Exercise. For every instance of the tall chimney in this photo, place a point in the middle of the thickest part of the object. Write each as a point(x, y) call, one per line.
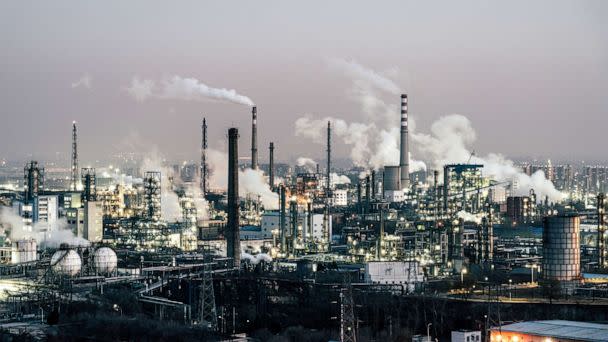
point(232, 228)
point(282, 214)
point(404, 149)
point(328, 157)
point(75, 178)
point(271, 167)
point(254, 138)
point(204, 169)
point(374, 189)
point(367, 193)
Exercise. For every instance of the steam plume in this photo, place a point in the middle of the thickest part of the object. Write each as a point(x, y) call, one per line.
point(185, 89)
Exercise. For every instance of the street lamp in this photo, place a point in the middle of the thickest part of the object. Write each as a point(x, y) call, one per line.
point(510, 282)
point(117, 308)
point(428, 332)
point(462, 273)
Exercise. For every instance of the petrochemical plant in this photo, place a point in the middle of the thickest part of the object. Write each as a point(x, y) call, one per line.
point(357, 253)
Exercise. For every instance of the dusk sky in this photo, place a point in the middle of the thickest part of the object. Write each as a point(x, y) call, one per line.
point(531, 76)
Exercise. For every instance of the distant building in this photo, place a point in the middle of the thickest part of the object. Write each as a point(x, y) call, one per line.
point(406, 273)
point(93, 221)
point(466, 336)
point(75, 219)
point(340, 198)
point(46, 211)
point(554, 330)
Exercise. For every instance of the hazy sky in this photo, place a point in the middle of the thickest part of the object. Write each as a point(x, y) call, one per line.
point(532, 76)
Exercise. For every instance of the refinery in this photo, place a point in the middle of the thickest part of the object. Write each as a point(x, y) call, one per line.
point(387, 224)
point(317, 238)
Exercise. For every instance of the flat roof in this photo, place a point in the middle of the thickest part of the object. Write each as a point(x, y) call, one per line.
point(580, 331)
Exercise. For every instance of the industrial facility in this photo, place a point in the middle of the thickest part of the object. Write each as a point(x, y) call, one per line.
point(344, 240)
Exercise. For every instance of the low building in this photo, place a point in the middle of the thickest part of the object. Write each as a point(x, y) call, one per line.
point(466, 336)
point(554, 330)
point(406, 273)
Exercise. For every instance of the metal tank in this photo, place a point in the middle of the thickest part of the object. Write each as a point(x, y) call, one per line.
point(561, 247)
point(105, 260)
point(24, 251)
point(391, 179)
point(66, 262)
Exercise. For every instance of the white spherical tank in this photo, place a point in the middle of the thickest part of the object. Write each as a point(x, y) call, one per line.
point(105, 260)
point(66, 262)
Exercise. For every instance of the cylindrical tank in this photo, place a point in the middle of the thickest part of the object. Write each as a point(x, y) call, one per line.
point(66, 262)
point(105, 260)
point(24, 251)
point(561, 247)
point(391, 178)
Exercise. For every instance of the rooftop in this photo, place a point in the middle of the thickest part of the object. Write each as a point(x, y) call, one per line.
point(580, 331)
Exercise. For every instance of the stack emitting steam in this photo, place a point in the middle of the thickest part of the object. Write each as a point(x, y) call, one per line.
point(233, 249)
point(254, 138)
point(404, 148)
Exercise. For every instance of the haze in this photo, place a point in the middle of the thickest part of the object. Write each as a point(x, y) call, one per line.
point(531, 76)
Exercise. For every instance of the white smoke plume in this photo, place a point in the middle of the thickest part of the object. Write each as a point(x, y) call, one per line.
point(140, 90)
point(250, 181)
point(336, 179)
point(307, 163)
point(254, 182)
point(449, 143)
point(46, 235)
point(171, 210)
point(375, 143)
point(468, 217)
point(357, 71)
point(185, 89)
point(256, 259)
point(84, 82)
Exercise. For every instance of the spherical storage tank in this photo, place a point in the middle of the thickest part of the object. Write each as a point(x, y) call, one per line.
point(561, 248)
point(66, 262)
point(105, 260)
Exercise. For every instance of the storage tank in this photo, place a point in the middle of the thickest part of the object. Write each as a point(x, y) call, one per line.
point(391, 179)
point(66, 262)
point(24, 251)
point(561, 247)
point(105, 260)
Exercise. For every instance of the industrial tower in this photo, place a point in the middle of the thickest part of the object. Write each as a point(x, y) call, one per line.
point(347, 313)
point(601, 229)
point(204, 168)
point(271, 167)
point(74, 180)
point(232, 228)
point(404, 167)
point(254, 138)
point(207, 310)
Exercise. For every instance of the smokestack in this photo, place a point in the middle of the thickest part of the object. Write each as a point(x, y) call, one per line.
point(254, 138)
point(367, 193)
point(282, 214)
point(232, 228)
point(310, 230)
point(374, 184)
point(328, 157)
point(404, 149)
point(75, 178)
point(204, 169)
point(271, 167)
point(293, 209)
